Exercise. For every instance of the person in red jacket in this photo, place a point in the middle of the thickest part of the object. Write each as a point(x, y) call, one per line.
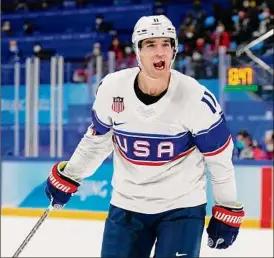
point(116, 47)
point(220, 37)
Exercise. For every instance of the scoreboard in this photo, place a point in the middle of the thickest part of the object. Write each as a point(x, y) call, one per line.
point(240, 79)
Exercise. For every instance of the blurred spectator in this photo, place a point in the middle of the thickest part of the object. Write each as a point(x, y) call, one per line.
point(200, 44)
point(247, 148)
point(198, 64)
point(42, 53)
point(96, 51)
point(45, 4)
point(258, 152)
point(28, 28)
point(188, 21)
point(21, 5)
point(15, 54)
point(220, 37)
point(79, 75)
point(129, 59)
point(269, 143)
point(88, 67)
point(101, 25)
point(91, 60)
point(37, 49)
point(188, 37)
point(117, 49)
point(7, 29)
point(265, 20)
point(243, 29)
point(240, 144)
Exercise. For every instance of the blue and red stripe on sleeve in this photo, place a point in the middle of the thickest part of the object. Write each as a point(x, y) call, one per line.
point(97, 126)
point(213, 140)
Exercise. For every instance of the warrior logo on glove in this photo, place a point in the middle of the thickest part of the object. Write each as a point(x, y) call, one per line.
point(60, 183)
point(59, 187)
point(224, 226)
point(228, 217)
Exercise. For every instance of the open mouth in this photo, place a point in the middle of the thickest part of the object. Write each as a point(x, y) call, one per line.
point(159, 65)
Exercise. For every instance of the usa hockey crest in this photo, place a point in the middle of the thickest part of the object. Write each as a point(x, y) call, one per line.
point(118, 104)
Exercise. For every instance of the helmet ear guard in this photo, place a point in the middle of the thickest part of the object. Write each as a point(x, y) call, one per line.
point(174, 43)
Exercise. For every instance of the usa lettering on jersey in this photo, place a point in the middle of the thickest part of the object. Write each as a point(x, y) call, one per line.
point(149, 149)
point(142, 148)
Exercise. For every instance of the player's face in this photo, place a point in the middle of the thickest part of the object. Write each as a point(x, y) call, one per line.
point(156, 55)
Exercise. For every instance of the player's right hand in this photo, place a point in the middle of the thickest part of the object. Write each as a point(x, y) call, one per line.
point(60, 188)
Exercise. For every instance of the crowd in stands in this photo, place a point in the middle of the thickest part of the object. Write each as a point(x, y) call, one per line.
point(248, 148)
point(200, 33)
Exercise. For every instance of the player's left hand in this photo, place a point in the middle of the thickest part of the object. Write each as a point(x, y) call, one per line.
point(224, 225)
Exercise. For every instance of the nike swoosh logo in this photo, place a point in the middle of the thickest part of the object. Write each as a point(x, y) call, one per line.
point(178, 255)
point(117, 124)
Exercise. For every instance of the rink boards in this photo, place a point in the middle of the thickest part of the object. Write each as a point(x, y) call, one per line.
point(23, 183)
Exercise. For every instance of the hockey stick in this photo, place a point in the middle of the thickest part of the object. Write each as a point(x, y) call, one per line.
point(35, 228)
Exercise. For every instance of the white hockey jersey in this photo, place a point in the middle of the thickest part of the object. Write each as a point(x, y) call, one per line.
point(160, 150)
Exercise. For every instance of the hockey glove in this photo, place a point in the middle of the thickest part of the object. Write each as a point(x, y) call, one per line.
point(60, 188)
point(223, 226)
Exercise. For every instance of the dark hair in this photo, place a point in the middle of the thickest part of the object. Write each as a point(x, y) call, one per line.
point(244, 133)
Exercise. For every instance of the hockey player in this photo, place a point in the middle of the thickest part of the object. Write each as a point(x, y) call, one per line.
point(163, 127)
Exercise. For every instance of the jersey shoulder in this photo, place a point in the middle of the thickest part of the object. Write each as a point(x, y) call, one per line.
point(193, 93)
point(190, 88)
point(117, 80)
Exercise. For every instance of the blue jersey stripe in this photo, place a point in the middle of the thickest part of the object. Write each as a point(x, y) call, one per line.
point(210, 128)
point(97, 125)
point(213, 138)
point(213, 153)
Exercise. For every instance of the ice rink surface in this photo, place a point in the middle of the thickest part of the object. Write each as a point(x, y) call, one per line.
point(78, 238)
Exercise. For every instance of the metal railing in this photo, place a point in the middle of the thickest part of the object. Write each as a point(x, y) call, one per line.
point(32, 85)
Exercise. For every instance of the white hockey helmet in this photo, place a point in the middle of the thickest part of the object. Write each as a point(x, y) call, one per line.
point(153, 27)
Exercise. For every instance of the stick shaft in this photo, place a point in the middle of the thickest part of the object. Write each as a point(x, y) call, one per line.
point(33, 231)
